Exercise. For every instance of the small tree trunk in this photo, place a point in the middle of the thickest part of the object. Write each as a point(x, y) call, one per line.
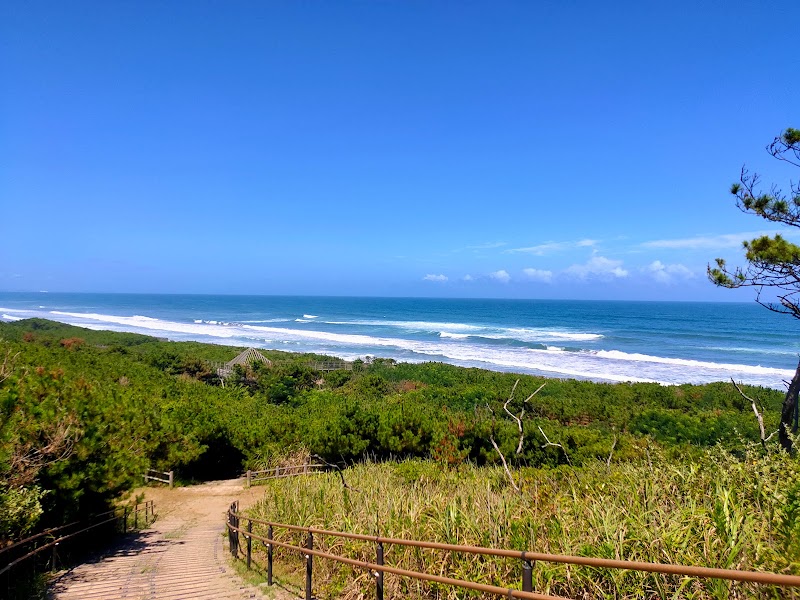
point(788, 412)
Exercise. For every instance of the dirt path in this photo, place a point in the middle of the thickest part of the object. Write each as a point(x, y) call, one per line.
point(182, 555)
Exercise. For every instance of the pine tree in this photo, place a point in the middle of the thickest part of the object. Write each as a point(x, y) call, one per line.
point(773, 263)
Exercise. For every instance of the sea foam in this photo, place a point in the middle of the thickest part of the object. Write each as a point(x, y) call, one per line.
point(459, 343)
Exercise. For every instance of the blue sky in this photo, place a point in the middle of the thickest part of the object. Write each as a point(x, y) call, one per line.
point(489, 149)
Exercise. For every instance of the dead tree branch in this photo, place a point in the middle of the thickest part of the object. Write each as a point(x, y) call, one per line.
point(518, 419)
point(549, 443)
point(611, 453)
point(505, 465)
point(759, 416)
point(338, 470)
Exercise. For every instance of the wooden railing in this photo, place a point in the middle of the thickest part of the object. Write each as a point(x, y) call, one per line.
point(162, 476)
point(528, 558)
point(283, 471)
point(44, 551)
point(331, 365)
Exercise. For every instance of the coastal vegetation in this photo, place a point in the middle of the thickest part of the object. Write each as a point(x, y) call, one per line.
point(84, 413)
point(716, 509)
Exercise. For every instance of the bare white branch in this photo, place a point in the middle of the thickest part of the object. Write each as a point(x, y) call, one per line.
point(549, 443)
point(518, 419)
point(505, 465)
point(759, 416)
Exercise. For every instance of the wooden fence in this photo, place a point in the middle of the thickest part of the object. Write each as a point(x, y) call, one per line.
point(286, 471)
point(528, 559)
point(45, 551)
point(224, 369)
point(162, 476)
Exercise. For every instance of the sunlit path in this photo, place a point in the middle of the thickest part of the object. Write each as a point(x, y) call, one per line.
point(180, 556)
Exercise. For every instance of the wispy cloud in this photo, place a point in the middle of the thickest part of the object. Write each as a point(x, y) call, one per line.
point(553, 247)
point(487, 246)
point(538, 275)
point(502, 276)
point(598, 267)
point(668, 273)
point(436, 278)
point(712, 242)
point(468, 277)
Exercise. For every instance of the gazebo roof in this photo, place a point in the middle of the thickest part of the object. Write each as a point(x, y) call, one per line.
point(245, 358)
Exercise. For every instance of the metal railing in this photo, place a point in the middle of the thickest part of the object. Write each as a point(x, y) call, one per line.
point(378, 568)
point(50, 543)
point(283, 471)
point(162, 476)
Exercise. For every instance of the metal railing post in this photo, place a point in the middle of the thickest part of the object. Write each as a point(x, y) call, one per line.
point(249, 542)
point(309, 565)
point(269, 556)
point(231, 539)
point(527, 576)
point(379, 574)
point(236, 524)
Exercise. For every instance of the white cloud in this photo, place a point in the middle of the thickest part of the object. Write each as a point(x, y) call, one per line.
point(668, 273)
point(712, 242)
point(598, 267)
point(538, 275)
point(502, 276)
point(551, 247)
point(437, 278)
point(487, 246)
point(468, 277)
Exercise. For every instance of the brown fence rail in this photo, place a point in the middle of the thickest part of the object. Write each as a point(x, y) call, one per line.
point(44, 551)
point(528, 560)
point(279, 472)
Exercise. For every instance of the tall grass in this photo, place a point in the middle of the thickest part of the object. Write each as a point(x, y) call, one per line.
point(714, 510)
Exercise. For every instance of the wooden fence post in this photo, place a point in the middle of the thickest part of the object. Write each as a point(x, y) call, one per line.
point(309, 565)
point(527, 576)
point(379, 574)
point(248, 477)
point(171, 480)
point(249, 542)
point(269, 556)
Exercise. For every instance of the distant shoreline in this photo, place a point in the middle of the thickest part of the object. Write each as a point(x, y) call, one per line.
point(603, 341)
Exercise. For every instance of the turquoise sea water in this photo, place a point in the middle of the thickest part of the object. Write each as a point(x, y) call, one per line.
point(668, 342)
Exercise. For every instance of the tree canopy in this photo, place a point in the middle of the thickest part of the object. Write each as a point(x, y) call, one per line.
point(773, 263)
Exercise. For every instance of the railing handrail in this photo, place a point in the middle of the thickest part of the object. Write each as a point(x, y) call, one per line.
point(288, 468)
point(510, 592)
point(45, 532)
point(165, 476)
point(284, 471)
point(58, 540)
point(526, 555)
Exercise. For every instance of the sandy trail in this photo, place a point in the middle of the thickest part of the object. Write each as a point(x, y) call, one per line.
point(182, 555)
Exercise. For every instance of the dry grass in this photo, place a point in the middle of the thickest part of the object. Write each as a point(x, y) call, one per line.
point(719, 511)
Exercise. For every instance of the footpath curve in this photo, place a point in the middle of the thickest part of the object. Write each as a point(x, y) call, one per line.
point(180, 556)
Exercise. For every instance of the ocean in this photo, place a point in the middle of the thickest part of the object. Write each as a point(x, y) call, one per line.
point(665, 342)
